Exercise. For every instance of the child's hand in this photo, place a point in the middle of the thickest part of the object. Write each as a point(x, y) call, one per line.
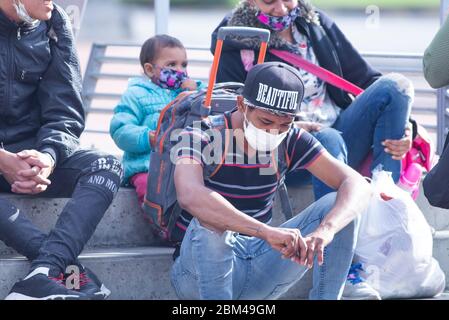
point(189, 84)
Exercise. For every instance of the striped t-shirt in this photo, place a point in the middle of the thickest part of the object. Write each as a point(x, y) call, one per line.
point(248, 184)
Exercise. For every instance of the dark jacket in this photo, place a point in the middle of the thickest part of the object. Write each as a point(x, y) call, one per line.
point(436, 182)
point(40, 85)
point(334, 52)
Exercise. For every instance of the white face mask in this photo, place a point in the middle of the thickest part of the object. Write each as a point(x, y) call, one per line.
point(261, 140)
point(23, 13)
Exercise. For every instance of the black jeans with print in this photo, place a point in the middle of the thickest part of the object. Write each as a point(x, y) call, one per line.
point(90, 179)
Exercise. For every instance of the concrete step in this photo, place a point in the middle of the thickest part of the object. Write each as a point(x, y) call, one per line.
point(130, 273)
point(122, 226)
point(134, 274)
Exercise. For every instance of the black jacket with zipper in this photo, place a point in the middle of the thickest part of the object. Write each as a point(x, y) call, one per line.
point(40, 85)
point(333, 50)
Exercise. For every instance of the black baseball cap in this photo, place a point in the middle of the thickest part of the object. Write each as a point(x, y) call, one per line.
point(275, 87)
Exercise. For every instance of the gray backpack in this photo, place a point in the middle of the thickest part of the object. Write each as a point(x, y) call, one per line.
point(160, 203)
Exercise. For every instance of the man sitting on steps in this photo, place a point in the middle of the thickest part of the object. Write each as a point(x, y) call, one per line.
point(229, 251)
point(42, 118)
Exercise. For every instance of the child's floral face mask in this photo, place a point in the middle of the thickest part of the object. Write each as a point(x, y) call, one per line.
point(279, 23)
point(170, 78)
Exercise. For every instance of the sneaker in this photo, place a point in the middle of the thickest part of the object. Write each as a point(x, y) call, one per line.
point(43, 284)
point(90, 285)
point(356, 288)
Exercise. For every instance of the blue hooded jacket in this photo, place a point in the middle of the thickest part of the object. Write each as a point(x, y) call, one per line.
point(134, 117)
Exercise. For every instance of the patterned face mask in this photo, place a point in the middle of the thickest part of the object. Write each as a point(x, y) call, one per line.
point(170, 78)
point(278, 23)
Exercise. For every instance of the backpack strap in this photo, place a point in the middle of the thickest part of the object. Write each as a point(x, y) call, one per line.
point(285, 201)
point(155, 137)
point(283, 162)
point(225, 144)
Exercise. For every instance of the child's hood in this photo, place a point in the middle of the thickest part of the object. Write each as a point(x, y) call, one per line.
point(142, 82)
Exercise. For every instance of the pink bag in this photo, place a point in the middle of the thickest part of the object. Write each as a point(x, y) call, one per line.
point(420, 157)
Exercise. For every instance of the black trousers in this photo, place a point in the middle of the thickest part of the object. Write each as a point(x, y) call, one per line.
point(90, 179)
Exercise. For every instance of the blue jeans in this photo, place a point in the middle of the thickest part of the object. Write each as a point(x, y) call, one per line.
point(380, 113)
point(333, 142)
point(231, 266)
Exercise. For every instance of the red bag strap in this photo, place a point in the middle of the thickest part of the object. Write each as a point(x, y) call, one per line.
point(318, 71)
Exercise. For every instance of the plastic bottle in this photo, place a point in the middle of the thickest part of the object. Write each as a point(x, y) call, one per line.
point(410, 179)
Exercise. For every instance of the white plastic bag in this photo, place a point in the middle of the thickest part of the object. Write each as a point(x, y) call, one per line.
point(395, 244)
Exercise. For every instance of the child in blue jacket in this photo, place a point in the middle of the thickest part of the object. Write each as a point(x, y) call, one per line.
point(164, 61)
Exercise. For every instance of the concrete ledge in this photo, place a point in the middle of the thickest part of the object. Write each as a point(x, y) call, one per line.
point(122, 226)
point(134, 273)
point(130, 273)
